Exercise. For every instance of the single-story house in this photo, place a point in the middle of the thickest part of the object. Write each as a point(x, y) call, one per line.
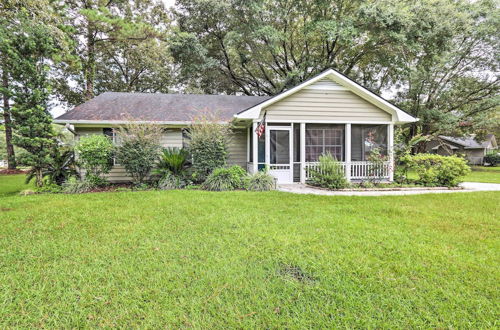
point(327, 113)
point(468, 146)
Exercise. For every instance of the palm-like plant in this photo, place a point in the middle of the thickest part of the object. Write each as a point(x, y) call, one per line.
point(172, 160)
point(62, 166)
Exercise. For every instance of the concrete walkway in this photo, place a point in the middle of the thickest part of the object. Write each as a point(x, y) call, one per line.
point(467, 187)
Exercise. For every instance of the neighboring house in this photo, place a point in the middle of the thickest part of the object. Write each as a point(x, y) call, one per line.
point(328, 113)
point(468, 146)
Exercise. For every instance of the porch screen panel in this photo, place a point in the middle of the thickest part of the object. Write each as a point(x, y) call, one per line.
point(279, 147)
point(365, 138)
point(322, 139)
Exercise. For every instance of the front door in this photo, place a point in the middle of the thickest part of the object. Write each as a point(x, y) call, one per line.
point(280, 153)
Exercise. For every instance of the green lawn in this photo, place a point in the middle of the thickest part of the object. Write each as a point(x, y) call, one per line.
point(13, 184)
point(247, 260)
point(484, 174)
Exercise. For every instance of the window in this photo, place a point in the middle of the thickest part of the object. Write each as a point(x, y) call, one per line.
point(322, 139)
point(111, 133)
point(365, 138)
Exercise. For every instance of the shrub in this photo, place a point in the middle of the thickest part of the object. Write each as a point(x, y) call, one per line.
point(492, 158)
point(222, 179)
point(138, 150)
point(329, 173)
point(49, 188)
point(172, 160)
point(436, 170)
point(261, 181)
point(74, 186)
point(95, 154)
point(62, 166)
point(171, 181)
point(208, 145)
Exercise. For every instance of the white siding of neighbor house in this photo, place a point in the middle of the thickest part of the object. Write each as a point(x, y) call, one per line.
point(237, 148)
point(325, 100)
point(171, 138)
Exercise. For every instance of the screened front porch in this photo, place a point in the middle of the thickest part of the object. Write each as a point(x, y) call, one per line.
point(290, 150)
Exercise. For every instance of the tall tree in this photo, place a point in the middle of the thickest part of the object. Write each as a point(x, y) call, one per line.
point(11, 156)
point(118, 44)
point(436, 58)
point(30, 44)
point(450, 78)
point(264, 47)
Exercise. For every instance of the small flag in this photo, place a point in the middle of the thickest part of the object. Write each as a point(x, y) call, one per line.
point(261, 127)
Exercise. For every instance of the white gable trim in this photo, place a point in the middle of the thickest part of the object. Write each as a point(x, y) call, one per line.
point(398, 115)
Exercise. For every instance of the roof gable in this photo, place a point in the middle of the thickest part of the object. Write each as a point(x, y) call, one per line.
point(339, 81)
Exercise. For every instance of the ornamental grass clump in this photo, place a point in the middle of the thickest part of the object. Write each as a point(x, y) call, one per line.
point(224, 179)
point(261, 181)
point(328, 174)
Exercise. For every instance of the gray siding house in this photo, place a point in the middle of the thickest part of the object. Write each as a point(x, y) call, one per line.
point(472, 148)
point(328, 113)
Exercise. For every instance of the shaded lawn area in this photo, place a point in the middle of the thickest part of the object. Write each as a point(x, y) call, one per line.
point(13, 184)
point(484, 174)
point(241, 259)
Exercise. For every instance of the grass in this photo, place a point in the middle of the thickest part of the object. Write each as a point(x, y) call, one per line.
point(13, 184)
point(247, 260)
point(484, 174)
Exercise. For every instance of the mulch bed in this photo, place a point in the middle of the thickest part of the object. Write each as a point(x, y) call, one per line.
point(11, 172)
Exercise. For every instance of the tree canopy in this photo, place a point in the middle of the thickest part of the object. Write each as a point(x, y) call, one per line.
point(436, 59)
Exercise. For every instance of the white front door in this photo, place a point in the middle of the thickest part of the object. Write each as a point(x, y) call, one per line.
point(279, 146)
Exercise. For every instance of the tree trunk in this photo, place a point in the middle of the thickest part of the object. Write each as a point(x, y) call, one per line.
point(11, 156)
point(39, 177)
point(90, 65)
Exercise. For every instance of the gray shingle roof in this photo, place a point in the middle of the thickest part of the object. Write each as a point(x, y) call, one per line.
point(468, 142)
point(113, 106)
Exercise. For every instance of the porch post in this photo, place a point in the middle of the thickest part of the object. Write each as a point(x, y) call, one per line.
point(249, 129)
point(302, 152)
point(390, 150)
point(267, 147)
point(255, 148)
point(347, 144)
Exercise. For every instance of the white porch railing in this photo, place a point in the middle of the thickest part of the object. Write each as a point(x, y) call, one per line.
point(359, 170)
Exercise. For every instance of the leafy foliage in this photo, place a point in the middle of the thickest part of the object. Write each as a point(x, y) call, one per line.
point(438, 54)
point(28, 52)
point(61, 167)
point(436, 170)
point(171, 181)
point(329, 173)
point(223, 179)
point(172, 160)
point(492, 158)
point(74, 186)
point(261, 181)
point(120, 46)
point(138, 149)
point(95, 154)
point(208, 141)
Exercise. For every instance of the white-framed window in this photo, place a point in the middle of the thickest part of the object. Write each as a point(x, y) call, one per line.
point(322, 139)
